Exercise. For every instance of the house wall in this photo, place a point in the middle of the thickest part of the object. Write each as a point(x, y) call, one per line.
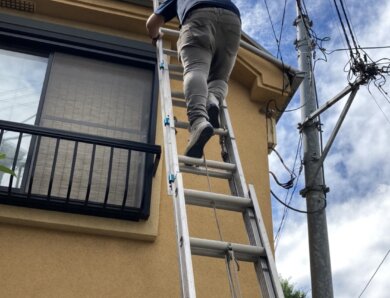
point(51, 254)
point(47, 262)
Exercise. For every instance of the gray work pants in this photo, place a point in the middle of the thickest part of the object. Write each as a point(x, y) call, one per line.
point(208, 44)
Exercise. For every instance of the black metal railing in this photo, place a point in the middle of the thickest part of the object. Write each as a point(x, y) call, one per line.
point(76, 172)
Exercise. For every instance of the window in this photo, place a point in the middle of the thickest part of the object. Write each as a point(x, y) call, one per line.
point(21, 82)
point(77, 124)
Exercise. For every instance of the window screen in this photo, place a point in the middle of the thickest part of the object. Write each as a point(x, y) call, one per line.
point(102, 99)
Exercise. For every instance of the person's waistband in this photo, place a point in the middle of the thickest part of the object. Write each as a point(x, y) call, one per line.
point(209, 5)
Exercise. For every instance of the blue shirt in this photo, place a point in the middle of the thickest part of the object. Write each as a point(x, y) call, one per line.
point(180, 8)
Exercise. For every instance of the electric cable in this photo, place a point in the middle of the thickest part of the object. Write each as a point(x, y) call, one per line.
point(272, 24)
point(286, 185)
point(285, 213)
point(349, 25)
point(376, 271)
point(298, 210)
point(280, 110)
point(294, 109)
point(383, 112)
point(281, 29)
point(278, 53)
point(344, 30)
point(363, 48)
point(282, 161)
point(360, 64)
point(285, 210)
point(338, 27)
point(311, 34)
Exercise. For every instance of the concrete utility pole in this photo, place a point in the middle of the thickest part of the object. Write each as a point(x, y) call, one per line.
point(321, 274)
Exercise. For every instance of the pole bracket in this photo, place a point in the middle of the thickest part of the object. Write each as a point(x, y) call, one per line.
point(312, 122)
point(308, 189)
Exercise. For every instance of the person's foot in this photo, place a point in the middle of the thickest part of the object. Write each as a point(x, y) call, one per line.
point(213, 112)
point(200, 133)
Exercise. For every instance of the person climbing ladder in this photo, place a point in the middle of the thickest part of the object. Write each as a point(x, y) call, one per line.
point(210, 33)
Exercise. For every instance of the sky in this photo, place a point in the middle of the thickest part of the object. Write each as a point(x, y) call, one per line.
point(357, 169)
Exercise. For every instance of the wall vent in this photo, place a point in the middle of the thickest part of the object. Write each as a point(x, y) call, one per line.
point(20, 5)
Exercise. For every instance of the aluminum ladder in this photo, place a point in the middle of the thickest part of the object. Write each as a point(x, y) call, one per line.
point(242, 199)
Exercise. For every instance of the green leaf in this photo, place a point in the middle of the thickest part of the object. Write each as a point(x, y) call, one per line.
point(289, 291)
point(2, 155)
point(7, 170)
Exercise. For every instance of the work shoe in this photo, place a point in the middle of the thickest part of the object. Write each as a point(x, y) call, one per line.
point(200, 133)
point(213, 112)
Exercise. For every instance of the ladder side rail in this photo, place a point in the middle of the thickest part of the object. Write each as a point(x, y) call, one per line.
point(253, 222)
point(261, 266)
point(237, 183)
point(183, 241)
point(176, 190)
point(169, 133)
point(170, 146)
point(239, 187)
point(273, 274)
point(175, 182)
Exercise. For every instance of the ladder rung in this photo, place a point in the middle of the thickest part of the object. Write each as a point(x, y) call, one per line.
point(176, 76)
point(220, 201)
point(210, 163)
point(186, 125)
point(182, 124)
point(170, 32)
point(169, 52)
point(179, 103)
point(218, 249)
point(176, 68)
point(178, 94)
point(205, 172)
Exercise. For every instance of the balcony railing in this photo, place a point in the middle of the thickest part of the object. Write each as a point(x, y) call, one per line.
point(78, 173)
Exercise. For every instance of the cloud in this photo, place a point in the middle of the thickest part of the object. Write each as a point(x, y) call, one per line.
point(357, 168)
point(355, 249)
point(22, 78)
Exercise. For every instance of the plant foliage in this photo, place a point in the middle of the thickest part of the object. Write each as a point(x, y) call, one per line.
point(289, 291)
point(3, 168)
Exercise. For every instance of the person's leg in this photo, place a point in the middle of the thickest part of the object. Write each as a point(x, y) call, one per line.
point(196, 63)
point(217, 91)
point(195, 52)
point(227, 42)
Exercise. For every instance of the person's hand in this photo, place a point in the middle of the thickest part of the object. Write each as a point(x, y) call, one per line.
point(155, 39)
point(153, 25)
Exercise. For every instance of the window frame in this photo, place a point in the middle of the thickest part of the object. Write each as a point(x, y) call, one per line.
point(43, 38)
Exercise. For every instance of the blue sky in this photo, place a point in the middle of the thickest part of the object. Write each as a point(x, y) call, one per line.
point(357, 169)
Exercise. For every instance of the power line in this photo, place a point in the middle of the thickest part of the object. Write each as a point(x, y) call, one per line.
point(383, 112)
point(272, 24)
point(338, 25)
point(278, 41)
point(298, 210)
point(349, 25)
point(285, 210)
point(279, 109)
point(281, 28)
point(377, 269)
point(363, 48)
point(344, 30)
point(311, 34)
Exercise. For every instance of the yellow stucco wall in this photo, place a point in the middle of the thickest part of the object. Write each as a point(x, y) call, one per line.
point(71, 257)
point(48, 262)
